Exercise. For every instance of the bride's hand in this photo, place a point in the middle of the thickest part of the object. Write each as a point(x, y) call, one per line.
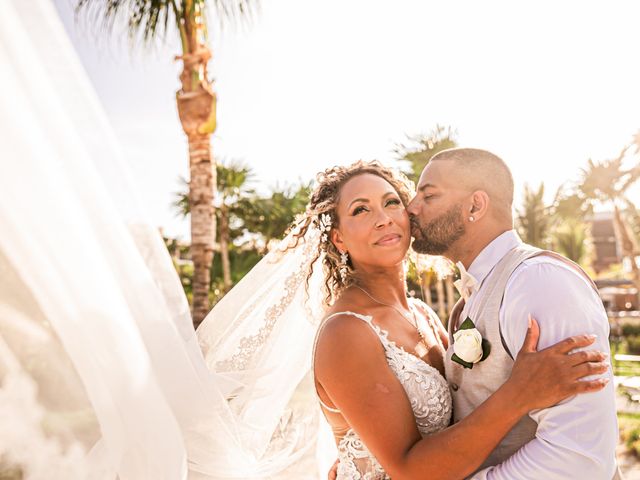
point(546, 377)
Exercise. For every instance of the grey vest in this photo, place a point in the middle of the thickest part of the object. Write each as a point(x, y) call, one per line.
point(471, 387)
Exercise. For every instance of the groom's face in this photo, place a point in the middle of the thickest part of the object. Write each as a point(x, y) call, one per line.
point(436, 212)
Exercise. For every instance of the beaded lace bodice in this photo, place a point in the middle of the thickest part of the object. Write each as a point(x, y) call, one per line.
point(430, 399)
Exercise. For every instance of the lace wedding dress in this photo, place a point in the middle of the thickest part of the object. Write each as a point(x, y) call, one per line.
point(428, 393)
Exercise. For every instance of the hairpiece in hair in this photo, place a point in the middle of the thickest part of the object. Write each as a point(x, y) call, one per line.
point(324, 225)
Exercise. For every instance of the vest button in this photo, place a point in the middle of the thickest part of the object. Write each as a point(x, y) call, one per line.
point(454, 387)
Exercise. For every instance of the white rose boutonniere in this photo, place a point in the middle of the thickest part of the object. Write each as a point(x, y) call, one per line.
point(469, 347)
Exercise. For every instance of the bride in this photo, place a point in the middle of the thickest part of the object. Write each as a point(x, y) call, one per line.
point(101, 374)
point(378, 366)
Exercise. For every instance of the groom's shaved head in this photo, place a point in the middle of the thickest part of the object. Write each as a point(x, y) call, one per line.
point(476, 169)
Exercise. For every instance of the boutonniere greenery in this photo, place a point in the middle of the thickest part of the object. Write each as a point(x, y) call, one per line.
point(469, 347)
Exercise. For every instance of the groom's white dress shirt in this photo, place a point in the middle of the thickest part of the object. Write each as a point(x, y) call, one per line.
point(577, 438)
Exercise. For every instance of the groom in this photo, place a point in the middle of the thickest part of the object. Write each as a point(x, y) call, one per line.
point(463, 211)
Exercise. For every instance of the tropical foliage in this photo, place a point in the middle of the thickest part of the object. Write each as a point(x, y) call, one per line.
point(572, 239)
point(606, 183)
point(533, 219)
point(246, 223)
point(415, 154)
point(151, 20)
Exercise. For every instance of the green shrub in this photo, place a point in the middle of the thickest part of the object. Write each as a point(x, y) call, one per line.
point(633, 344)
point(629, 426)
point(630, 329)
point(633, 441)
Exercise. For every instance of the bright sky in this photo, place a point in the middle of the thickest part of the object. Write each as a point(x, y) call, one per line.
point(545, 85)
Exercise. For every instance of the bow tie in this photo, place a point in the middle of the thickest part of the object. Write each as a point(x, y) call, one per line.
point(467, 283)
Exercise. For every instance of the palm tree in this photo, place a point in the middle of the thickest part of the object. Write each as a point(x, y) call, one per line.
point(633, 216)
point(572, 239)
point(607, 182)
point(233, 198)
point(149, 20)
point(422, 148)
point(272, 216)
point(533, 218)
point(433, 270)
point(232, 188)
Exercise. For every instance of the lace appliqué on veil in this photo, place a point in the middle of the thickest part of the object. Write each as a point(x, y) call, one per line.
point(249, 345)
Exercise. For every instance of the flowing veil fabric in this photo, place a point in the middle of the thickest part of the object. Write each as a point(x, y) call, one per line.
point(101, 373)
point(262, 349)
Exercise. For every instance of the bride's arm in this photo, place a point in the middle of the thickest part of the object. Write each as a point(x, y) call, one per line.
point(352, 370)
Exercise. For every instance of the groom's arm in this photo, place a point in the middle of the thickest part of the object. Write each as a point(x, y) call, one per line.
point(576, 438)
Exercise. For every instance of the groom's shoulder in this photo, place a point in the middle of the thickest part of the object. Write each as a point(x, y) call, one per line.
point(550, 271)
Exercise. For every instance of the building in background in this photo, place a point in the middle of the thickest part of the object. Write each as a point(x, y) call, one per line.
point(618, 293)
point(606, 251)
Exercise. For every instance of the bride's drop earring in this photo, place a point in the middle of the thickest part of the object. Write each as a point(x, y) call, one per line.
point(471, 219)
point(344, 258)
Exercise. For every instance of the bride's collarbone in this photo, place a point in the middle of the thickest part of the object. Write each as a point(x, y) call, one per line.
point(398, 330)
point(403, 334)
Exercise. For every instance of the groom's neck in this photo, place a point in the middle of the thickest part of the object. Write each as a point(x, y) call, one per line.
point(471, 244)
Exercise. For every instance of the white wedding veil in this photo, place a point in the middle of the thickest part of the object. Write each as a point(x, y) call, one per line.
point(101, 373)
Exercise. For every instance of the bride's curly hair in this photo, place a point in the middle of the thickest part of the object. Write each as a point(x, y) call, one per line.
point(322, 211)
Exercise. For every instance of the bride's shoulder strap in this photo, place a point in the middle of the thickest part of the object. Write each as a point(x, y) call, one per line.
point(366, 318)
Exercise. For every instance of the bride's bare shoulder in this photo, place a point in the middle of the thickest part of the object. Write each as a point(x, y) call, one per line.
point(346, 344)
point(346, 330)
point(348, 313)
point(343, 324)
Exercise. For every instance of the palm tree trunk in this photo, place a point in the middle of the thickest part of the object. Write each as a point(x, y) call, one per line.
point(442, 311)
point(425, 283)
point(224, 247)
point(201, 191)
point(448, 282)
point(197, 115)
point(197, 111)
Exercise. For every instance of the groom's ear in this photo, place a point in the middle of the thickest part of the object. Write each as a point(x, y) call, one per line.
point(479, 205)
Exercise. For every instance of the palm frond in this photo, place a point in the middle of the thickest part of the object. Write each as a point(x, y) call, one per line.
point(180, 203)
point(573, 240)
point(533, 218)
point(148, 18)
point(636, 141)
point(421, 148)
point(632, 175)
point(233, 11)
point(232, 177)
point(151, 19)
point(600, 180)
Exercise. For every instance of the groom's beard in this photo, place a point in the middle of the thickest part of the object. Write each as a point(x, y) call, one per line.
point(437, 236)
